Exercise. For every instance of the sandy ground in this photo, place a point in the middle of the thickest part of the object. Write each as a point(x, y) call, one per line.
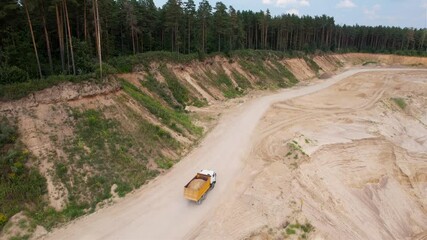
point(363, 175)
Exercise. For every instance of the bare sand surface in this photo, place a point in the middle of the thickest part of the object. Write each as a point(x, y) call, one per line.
point(360, 170)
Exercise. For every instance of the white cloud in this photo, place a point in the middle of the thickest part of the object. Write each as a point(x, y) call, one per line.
point(304, 3)
point(285, 3)
point(293, 11)
point(373, 12)
point(346, 4)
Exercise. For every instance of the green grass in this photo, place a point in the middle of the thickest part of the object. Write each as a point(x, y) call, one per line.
point(100, 154)
point(125, 64)
point(269, 76)
point(301, 230)
point(294, 147)
point(261, 54)
point(312, 64)
point(255, 68)
point(282, 71)
point(229, 90)
point(173, 119)
point(25, 237)
point(290, 231)
point(241, 80)
point(164, 163)
point(19, 90)
point(48, 217)
point(123, 188)
point(21, 186)
point(400, 102)
point(179, 91)
point(221, 81)
point(160, 89)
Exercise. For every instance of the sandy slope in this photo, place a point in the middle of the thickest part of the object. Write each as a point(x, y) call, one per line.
point(158, 210)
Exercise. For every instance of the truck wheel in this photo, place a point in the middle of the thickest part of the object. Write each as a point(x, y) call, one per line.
point(199, 202)
point(213, 185)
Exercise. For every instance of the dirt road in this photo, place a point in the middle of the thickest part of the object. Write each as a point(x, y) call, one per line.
point(159, 211)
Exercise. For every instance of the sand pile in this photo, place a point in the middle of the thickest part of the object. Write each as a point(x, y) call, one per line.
point(196, 184)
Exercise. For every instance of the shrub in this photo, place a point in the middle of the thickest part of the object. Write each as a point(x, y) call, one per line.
point(307, 227)
point(7, 133)
point(164, 163)
point(12, 74)
point(290, 231)
point(400, 102)
point(123, 188)
point(84, 63)
point(123, 64)
point(20, 186)
point(107, 69)
point(3, 219)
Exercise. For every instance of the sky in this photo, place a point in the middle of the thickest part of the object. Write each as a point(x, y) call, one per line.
point(400, 13)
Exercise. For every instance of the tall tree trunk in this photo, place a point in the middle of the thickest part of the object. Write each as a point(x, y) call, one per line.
point(256, 36)
point(189, 37)
point(32, 37)
point(69, 36)
point(219, 42)
point(85, 20)
point(133, 40)
point(66, 44)
point(203, 35)
point(266, 36)
point(142, 41)
point(60, 35)
point(121, 38)
point(46, 35)
point(137, 42)
point(98, 34)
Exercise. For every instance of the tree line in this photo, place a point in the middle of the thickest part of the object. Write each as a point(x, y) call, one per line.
point(45, 37)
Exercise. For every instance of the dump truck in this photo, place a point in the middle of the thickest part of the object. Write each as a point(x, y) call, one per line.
point(199, 186)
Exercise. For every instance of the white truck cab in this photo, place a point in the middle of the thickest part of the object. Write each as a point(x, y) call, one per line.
point(210, 173)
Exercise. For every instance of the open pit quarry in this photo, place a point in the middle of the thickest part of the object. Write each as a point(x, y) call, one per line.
point(340, 155)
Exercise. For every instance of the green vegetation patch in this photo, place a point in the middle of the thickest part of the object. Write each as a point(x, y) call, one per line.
point(100, 154)
point(300, 230)
point(226, 84)
point(282, 71)
point(125, 64)
point(160, 89)
point(173, 119)
point(164, 163)
point(312, 64)
point(19, 90)
point(241, 80)
point(255, 68)
point(276, 75)
point(179, 91)
point(400, 102)
point(221, 81)
point(21, 187)
point(111, 155)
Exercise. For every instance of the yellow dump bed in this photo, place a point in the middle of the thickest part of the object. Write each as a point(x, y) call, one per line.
point(197, 187)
